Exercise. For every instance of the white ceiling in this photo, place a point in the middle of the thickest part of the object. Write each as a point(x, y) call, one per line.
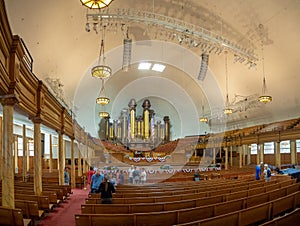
point(54, 32)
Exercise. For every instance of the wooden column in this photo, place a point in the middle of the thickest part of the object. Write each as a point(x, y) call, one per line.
point(226, 158)
point(73, 176)
point(261, 152)
point(214, 155)
point(79, 161)
point(293, 152)
point(61, 158)
point(8, 195)
point(248, 155)
point(241, 156)
point(37, 159)
point(277, 154)
point(51, 153)
point(1, 158)
point(231, 161)
point(24, 160)
point(16, 167)
point(257, 155)
point(244, 154)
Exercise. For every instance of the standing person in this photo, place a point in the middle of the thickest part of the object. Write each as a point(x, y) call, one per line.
point(267, 173)
point(257, 172)
point(66, 176)
point(106, 190)
point(130, 175)
point(143, 176)
point(136, 175)
point(121, 177)
point(90, 174)
point(96, 181)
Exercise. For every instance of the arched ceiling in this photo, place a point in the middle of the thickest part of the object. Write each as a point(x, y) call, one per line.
point(61, 48)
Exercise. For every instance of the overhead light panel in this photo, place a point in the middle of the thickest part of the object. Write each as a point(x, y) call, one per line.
point(144, 66)
point(158, 67)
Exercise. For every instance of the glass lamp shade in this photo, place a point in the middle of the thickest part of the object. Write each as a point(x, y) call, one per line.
point(102, 100)
point(101, 71)
point(228, 111)
point(96, 4)
point(103, 114)
point(203, 119)
point(265, 99)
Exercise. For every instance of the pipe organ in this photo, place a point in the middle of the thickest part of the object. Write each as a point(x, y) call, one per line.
point(141, 129)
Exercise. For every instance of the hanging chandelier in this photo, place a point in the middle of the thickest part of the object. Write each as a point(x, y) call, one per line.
point(227, 110)
point(102, 99)
point(96, 4)
point(103, 114)
point(101, 70)
point(264, 98)
point(203, 118)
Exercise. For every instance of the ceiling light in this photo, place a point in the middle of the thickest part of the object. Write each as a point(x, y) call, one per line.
point(144, 66)
point(102, 100)
point(103, 114)
point(96, 4)
point(158, 67)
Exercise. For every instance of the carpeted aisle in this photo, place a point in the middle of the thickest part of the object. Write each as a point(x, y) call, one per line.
point(63, 215)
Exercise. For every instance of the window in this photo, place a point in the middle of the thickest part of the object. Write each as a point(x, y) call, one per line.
point(285, 146)
point(20, 146)
point(269, 148)
point(253, 149)
point(298, 145)
point(31, 147)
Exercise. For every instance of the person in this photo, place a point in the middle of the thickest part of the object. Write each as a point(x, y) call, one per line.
point(257, 172)
point(90, 174)
point(96, 181)
point(196, 176)
point(267, 173)
point(130, 175)
point(121, 177)
point(66, 176)
point(106, 190)
point(143, 176)
point(136, 175)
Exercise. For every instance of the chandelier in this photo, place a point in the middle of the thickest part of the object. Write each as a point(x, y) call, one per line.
point(228, 110)
point(96, 4)
point(103, 114)
point(102, 99)
point(264, 98)
point(203, 118)
point(101, 71)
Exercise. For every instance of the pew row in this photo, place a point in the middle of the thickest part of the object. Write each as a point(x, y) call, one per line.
point(252, 215)
point(14, 217)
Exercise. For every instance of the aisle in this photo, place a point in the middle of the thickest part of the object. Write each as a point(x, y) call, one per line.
point(64, 213)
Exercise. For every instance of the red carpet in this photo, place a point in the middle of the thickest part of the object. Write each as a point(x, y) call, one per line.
point(63, 215)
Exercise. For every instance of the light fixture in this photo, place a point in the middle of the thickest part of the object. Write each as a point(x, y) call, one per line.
point(203, 118)
point(101, 71)
point(103, 114)
point(264, 98)
point(96, 4)
point(227, 109)
point(158, 67)
point(102, 99)
point(144, 66)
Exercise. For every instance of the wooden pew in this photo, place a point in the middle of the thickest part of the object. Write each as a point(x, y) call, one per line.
point(290, 219)
point(253, 215)
point(10, 217)
point(30, 209)
point(215, 204)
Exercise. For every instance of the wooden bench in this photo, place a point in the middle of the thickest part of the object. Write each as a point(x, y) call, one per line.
point(249, 216)
point(185, 197)
point(30, 209)
point(10, 217)
point(219, 203)
point(289, 219)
